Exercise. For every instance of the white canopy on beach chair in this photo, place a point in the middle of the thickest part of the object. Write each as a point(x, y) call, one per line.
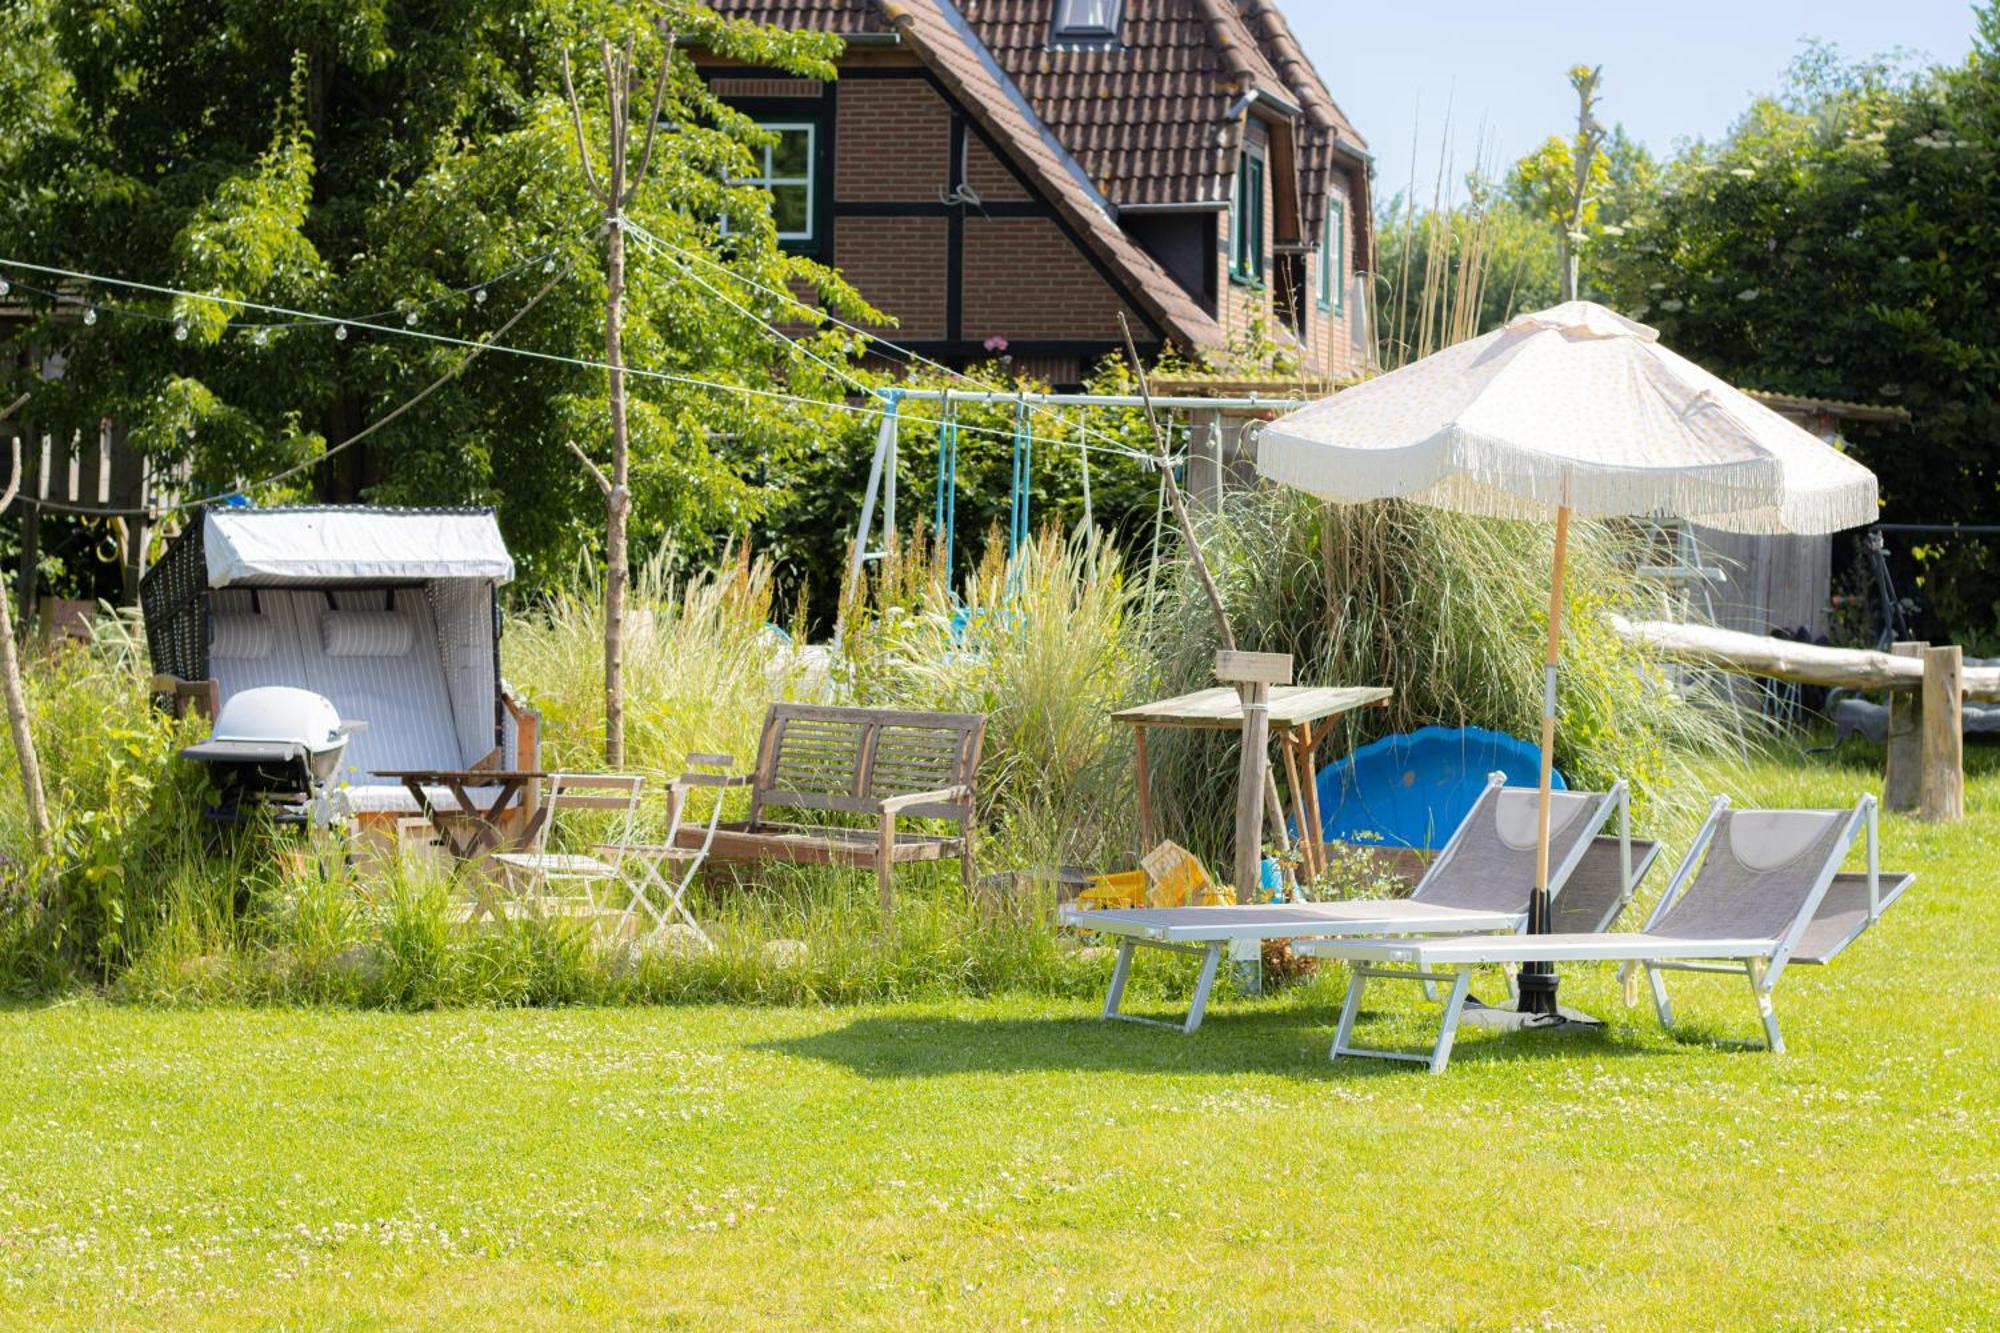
point(1574, 409)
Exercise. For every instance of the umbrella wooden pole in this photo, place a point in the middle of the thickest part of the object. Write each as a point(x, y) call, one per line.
point(1538, 980)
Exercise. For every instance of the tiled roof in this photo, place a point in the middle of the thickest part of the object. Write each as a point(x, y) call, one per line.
point(953, 54)
point(1151, 121)
point(1148, 119)
point(842, 16)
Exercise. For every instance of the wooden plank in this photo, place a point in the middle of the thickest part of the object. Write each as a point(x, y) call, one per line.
point(1943, 735)
point(1220, 708)
point(1253, 668)
point(1903, 768)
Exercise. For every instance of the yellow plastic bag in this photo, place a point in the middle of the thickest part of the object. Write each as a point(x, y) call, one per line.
point(1178, 879)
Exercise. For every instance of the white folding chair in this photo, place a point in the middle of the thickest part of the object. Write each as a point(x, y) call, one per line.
point(534, 878)
point(644, 873)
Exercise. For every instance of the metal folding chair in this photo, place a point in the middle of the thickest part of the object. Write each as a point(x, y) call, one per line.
point(534, 877)
point(643, 865)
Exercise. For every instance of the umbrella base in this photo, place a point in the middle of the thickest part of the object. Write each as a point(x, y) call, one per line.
point(1507, 1018)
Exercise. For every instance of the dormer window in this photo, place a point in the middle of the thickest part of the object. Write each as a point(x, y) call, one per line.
point(1087, 22)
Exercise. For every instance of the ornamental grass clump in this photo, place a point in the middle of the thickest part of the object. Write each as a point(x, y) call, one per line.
point(1450, 612)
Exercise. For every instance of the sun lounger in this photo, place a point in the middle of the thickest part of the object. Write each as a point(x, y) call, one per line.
point(1481, 881)
point(1758, 891)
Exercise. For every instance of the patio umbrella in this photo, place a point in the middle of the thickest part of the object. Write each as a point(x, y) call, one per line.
point(1570, 410)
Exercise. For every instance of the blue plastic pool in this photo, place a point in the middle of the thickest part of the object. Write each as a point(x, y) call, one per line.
point(1412, 790)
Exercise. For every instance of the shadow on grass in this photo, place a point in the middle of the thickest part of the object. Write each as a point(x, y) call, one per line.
point(1290, 1042)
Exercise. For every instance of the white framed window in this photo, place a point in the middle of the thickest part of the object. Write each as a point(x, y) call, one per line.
point(1333, 258)
point(786, 170)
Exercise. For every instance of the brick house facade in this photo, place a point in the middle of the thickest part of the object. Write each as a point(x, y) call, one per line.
point(989, 173)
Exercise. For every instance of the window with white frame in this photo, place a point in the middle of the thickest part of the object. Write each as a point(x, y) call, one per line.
point(1333, 258)
point(786, 170)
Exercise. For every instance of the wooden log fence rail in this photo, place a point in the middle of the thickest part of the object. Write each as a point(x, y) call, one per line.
point(1928, 687)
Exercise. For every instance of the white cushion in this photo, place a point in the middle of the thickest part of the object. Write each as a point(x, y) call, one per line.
point(365, 633)
point(238, 636)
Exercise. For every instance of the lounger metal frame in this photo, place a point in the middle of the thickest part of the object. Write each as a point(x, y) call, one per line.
point(1206, 931)
point(1761, 962)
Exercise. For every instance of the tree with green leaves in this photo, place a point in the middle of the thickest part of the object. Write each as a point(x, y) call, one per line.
point(413, 169)
point(1839, 243)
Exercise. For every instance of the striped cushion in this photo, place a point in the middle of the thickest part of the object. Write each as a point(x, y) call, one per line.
point(236, 636)
point(365, 633)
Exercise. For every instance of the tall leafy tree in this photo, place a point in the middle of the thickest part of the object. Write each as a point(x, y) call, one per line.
point(1840, 243)
point(410, 166)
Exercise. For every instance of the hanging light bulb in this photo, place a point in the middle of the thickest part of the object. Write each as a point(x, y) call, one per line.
point(479, 297)
point(5, 286)
point(340, 333)
point(549, 264)
point(411, 319)
point(90, 314)
point(180, 332)
point(262, 336)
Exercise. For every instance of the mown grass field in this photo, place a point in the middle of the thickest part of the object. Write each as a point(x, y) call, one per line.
point(1004, 1161)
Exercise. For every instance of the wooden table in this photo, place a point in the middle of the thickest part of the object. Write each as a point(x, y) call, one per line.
point(1301, 715)
point(481, 824)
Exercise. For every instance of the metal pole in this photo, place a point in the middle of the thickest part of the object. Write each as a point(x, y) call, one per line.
point(1538, 980)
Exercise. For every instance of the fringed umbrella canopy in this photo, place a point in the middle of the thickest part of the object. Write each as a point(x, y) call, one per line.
point(1573, 406)
point(1573, 409)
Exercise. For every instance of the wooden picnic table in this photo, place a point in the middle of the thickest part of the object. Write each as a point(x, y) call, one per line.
point(480, 832)
point(1301, 716)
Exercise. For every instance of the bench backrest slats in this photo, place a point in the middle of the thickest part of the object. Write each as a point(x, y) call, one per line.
point(819, 757)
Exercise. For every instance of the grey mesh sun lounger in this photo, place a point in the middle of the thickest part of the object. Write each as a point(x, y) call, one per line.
point(1481, 881)
point(1758, 891)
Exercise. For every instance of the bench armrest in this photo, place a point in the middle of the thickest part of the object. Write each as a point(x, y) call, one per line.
point(895, 805)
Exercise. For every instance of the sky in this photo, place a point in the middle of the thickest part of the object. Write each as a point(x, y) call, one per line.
point(1673, 69)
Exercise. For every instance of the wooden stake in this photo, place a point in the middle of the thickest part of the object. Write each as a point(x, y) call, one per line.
point(1943, 735)
point(1903, 766)
point(1148, 835)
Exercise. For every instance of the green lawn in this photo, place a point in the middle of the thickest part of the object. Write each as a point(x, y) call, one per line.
point(1009, 1161)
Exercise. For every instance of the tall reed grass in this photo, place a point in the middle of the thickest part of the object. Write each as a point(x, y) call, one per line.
point(153, 903)
point(1451, 613)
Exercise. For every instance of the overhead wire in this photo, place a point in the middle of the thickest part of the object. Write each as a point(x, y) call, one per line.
point(874, 337)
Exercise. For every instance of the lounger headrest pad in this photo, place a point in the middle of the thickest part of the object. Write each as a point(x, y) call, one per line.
point(1516, 815)
point(365, 633)
point(237, 635)
point(1768, 839)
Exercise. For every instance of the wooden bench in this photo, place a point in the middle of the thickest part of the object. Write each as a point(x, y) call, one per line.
point(876, 763)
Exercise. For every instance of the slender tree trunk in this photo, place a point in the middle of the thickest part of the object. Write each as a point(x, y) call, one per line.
point(17, 698)
point(619, 503)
